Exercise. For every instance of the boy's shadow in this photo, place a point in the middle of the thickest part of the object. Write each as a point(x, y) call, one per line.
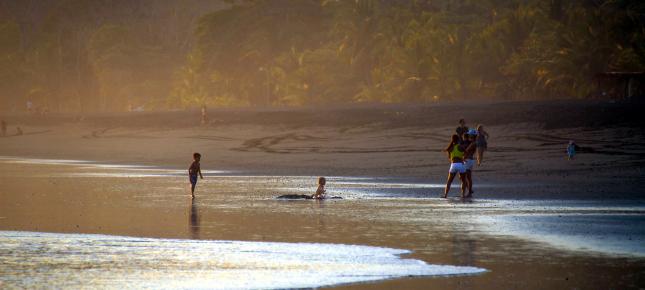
point(194, 220)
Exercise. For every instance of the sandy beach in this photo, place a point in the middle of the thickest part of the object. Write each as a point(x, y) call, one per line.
point(538, 220)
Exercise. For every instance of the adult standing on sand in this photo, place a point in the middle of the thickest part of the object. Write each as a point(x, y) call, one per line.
point(456, 155)
point(571, 149)
point(204, 115)
point(461, 130)
point(482, 143)
point(469, 161)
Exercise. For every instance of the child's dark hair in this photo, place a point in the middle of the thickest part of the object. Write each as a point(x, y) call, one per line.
point(196, 155)
point(322, 180)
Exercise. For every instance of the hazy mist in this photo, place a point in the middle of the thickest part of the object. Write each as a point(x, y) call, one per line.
point(76, 55)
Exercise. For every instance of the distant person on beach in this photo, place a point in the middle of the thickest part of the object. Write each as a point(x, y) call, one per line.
point(18, 131)
point(461, 130)
point(43, 111)
point(3, 124)
point(571, 149)
point(320, 192)
point(193, 171)
point(456, 155)
point(204, 115)
point(469, 158)
point(482, 143)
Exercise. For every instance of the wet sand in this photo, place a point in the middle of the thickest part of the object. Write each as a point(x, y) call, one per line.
point(537, 220)
point(83, 197)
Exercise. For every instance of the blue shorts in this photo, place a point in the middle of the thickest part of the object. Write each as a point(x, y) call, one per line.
point(193, 179)
point(469, 164)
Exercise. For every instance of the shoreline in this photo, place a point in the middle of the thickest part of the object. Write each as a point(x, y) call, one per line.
point(491, 210)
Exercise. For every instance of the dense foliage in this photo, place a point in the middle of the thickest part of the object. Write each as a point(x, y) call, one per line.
point(107, 55)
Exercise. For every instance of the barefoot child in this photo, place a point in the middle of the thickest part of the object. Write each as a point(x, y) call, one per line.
point(193, 171)
point(320, 192)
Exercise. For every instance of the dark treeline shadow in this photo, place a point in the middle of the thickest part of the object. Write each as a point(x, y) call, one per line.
point(294, 52)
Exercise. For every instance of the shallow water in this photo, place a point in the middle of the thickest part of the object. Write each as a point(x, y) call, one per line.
point(607, 232)
point(29, 259)
point(527, 244)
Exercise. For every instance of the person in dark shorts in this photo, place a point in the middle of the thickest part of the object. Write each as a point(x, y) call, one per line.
point(193, 171)
point(482, 143)
point(571, 149)
point(469, 162)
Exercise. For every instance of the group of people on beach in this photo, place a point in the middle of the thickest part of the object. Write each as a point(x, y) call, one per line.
point(465, 145)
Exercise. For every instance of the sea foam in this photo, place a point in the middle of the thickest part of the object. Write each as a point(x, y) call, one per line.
point(29, 259)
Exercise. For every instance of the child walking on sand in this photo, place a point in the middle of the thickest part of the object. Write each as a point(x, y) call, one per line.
point(193, 171)
point(320, 192)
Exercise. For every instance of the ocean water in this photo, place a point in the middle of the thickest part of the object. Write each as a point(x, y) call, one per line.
point(607, 233)
point(37, 260)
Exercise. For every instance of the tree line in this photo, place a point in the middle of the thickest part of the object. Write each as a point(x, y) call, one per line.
point(74, 55)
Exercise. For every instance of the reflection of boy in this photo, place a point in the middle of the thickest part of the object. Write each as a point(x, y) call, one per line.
point(193, 171)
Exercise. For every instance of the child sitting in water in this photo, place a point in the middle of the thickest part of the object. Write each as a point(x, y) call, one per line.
point(320, 192)
point(193, 171)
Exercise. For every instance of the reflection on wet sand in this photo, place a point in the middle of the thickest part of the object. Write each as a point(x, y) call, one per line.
point(318, 206)
point(194, 220)
point(463, 249)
